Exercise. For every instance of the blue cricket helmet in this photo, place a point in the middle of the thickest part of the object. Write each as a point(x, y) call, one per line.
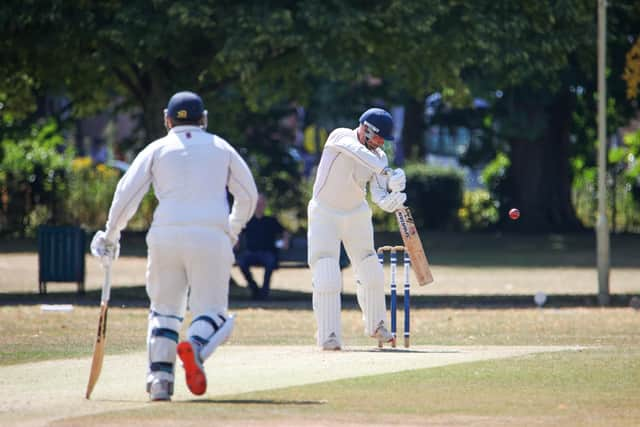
point(185, 107)
point(379, 121)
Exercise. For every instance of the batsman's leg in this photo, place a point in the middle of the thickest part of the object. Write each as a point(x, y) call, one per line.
point(358, 242)
point(162, 340)
point(370, 293)
point(209, 268)
point(166, 288)
point(323, 258)
point(327, 284)
point(206, 333)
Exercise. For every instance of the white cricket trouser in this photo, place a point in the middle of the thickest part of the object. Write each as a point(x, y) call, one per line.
point(327, 228)
point(185, 266)
point(188, 261)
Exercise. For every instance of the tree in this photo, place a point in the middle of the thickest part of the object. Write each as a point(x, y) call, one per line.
point(544, 65)
point(246, 57)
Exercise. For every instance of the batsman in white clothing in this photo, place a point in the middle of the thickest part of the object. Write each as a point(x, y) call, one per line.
point(339, 212)
point(189, 242)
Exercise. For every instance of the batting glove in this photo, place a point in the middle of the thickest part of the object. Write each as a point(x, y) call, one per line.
point(103, 248)
point(397, 181)
point(393, 202)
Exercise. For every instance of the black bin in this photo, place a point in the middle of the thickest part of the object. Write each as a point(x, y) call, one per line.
point(60, 256)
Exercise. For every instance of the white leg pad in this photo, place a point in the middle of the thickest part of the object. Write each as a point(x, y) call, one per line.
point(162, 339)
point(327, 284)
point(209, 331)
point(370, 293)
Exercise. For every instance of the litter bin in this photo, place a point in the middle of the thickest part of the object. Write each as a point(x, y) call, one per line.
point(61, 256)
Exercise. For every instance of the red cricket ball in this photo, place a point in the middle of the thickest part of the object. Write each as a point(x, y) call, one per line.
point(514, 213)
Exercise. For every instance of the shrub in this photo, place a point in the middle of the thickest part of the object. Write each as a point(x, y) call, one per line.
point(33, 179)
point(434, 195)
point(478, 212)
point(91, 190)
point(494, 175)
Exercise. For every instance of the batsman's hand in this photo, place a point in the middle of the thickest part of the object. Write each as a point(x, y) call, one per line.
point(397, 181)
point(104, 249)
point(393, 201)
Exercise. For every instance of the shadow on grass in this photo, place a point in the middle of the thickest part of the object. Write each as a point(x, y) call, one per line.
point(398, 349)
point(495, 249)
point(259, 401)
point(136, 297)
point(471, 249)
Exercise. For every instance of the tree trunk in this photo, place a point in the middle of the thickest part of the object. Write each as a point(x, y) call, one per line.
point(152, 115)
point(152, 99)
point(539, 179)
point(413, 130)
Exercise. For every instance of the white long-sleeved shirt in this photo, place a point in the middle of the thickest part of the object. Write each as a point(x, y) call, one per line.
point(345, 168)
point(190, 170)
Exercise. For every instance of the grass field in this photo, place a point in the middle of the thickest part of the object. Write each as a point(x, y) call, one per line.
point(589, 374)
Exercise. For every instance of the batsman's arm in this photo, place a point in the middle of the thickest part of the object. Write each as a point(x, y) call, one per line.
point(244, 190)
point(130, 191)
point(343, 141)
point(378, 188)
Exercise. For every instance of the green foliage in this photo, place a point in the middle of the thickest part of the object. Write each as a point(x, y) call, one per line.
point(584, 191)
point(623, 188)
point(278, 174)
point(247, 57)
point(91, 189)
point(143, 217)
point(33, 179)
point(434, 195)
point(495, 173)
point(478, 212)
point(631, 155)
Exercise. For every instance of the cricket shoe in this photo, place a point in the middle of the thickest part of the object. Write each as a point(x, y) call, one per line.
point(332, 343)
point(383, 335)
point(193, 369)
point(160, 390)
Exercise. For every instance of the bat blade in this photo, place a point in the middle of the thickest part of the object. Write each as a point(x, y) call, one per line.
point(98, 350)
point(413, 245)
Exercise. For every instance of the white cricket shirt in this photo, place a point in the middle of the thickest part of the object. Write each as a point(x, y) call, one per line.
point(345, 168)
point(190, 170)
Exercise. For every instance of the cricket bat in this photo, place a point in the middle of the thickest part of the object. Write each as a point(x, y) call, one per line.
point(413, 245)
point(412, 242)
point(98, 350)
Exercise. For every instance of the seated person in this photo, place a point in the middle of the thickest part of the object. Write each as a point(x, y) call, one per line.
point(262, 237)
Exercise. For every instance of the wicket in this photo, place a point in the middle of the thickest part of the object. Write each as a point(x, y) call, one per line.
point(393, 263)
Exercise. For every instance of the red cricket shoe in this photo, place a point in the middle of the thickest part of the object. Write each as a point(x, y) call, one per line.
point(194, 372)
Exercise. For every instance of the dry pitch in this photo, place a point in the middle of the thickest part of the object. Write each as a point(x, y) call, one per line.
point(41, 393)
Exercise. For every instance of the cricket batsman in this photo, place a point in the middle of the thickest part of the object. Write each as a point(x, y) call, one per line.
point(339, 212)
point(190, 239)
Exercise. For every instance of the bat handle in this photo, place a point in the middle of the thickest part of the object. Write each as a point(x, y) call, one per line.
point(106, 286)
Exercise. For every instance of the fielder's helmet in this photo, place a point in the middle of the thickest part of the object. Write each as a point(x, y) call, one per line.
point(379, 121)
point(185, 107)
